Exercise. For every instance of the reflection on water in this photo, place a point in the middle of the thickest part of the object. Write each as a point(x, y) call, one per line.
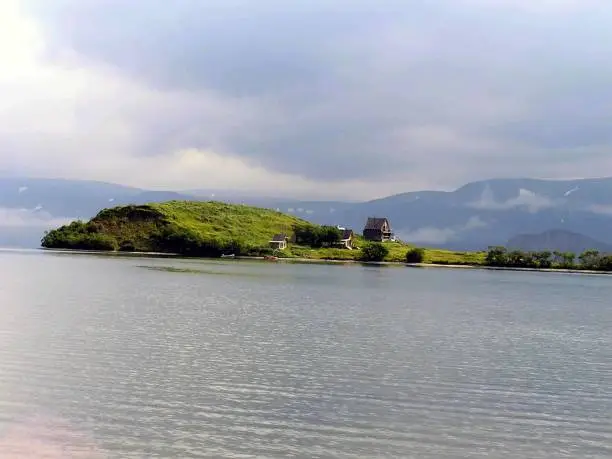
point(102, 358)
point(45, 437)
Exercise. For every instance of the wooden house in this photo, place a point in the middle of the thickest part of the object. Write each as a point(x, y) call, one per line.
point(377, 229)
point(279, 241)
point(346, 239)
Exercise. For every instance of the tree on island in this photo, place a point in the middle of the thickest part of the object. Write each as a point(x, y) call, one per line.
point(415, 255)
point(374, 251)
point(564, 260)
point(317, 236)
point(589, 259)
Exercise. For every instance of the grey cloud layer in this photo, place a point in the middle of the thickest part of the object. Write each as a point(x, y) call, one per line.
point(452, 90)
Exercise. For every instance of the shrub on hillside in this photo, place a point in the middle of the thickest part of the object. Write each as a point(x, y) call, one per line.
point(374, 252)
point(329, 235)
point(95, 242)
point(187, 243)
point(415, 255)
point(78, 236)
point(316, 236)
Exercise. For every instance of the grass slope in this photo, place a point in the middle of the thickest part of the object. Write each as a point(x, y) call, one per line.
point(251, 226)
point(397, 253)
point(212, 228)
point(192, 228)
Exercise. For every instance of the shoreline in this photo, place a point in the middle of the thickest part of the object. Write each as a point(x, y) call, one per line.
point(318, 261)
point(436, 265)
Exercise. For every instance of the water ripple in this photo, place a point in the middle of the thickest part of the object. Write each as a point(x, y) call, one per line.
point(106, 359)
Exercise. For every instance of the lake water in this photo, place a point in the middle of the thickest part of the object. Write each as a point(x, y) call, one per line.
point(114, 357)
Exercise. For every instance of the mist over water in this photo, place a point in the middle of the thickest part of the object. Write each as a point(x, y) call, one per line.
point(118, 357)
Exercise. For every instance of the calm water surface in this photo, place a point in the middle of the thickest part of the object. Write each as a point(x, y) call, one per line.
point(121, 358)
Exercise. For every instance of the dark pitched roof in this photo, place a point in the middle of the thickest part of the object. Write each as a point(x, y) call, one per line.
point(374, 223)
point(279, 237)
point(346, 234)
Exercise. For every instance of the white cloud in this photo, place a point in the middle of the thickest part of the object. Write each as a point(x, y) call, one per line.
point(426, 120)
point(475, 222)
point(430, 235)
point(433, 235)
point(526, 199)
point(602, 209)
point(86, 121)
point(29, 218)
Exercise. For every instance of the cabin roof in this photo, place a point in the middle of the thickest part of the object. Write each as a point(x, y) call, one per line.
point(280, 237)
point(346, 234)
point(375, 223)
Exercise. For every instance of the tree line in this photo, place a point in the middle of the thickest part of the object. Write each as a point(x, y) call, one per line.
point(317, 236)
point(588, 260)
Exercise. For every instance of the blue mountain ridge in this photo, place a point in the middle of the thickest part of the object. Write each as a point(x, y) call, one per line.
point(476, 215)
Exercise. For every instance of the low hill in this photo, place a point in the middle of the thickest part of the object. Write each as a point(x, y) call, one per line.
point(186, 227)
point(472, 217)
point(209, 229)
point(560, 240)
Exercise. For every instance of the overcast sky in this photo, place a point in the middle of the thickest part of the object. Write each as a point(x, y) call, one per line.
point(342, 98)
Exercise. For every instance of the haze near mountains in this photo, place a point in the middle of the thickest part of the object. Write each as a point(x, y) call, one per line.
point(472, 217)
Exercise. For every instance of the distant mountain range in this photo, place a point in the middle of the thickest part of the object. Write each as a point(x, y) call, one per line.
point(563, 241)
point(477, 215)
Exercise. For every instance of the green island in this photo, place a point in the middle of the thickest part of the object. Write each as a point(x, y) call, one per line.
point(216, 229)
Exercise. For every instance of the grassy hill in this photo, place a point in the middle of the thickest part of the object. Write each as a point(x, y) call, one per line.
point(208, 229)
point(186, 227)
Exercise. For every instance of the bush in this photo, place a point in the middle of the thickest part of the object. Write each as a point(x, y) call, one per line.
point(565, 260)
point(605, 263)
point(78, 236)
point(497, 256)
point(542, 259)
point(127, 246)
point(329, 235)
point(93, 227)
point(374, 252)
point(590, 259)
point(96, 242)
point(189, 244)
point(416, 255)
point(259, 251)
point(317, 236)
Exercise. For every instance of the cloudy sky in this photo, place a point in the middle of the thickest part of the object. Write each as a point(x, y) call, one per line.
point(343, 98)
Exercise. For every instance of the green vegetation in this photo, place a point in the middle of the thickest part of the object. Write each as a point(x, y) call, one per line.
point(79, 236)
point(374, 251)
point(448, 257)
point(415, 255)
point(316, 236)
point(589, 260)
point(203, 229)
point(210, 229)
